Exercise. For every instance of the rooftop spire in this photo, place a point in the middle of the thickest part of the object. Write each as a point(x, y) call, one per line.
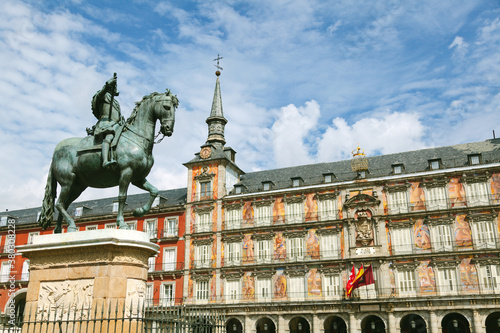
point(216, 121)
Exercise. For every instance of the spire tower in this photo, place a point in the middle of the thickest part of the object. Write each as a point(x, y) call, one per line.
point(216, 121)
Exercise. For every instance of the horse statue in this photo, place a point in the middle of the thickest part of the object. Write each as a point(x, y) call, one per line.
point(76, 163)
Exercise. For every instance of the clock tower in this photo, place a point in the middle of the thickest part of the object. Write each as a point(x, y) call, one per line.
point(212, 174)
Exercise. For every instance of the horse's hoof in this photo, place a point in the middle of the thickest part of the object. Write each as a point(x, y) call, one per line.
point(138, 212)
point(57, 230)
point(123, 227)
point(72, 229)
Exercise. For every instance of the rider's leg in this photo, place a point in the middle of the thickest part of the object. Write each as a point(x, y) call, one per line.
point(106, 143)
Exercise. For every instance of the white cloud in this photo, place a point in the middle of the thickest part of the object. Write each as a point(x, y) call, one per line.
point(459, 45)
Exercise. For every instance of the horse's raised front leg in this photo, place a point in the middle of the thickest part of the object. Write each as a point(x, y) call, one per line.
point(125, 178)
point(153, 193)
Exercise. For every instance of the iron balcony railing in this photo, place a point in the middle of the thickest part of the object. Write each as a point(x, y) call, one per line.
point(162, 233)
point(207, 195)
point(17, 277)
point(448, 203)
point(165, 266)
point(447, 246)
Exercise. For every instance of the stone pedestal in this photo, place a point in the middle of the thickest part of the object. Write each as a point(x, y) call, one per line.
point(82, 275)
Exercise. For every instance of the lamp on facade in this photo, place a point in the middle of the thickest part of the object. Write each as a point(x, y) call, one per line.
point(373, 325)
point(498, 322)
point(299, 326)
point(235, 328)
point(335, 326)
point(413, 325)
point(265, 327)
point(455, 325)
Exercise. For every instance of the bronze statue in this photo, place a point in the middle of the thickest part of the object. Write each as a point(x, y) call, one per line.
point(76, 163)
point(107, 110)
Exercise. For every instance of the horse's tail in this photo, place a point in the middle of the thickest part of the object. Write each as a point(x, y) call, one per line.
point(47, 213)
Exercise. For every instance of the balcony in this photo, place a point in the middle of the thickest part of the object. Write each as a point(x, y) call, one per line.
point(165, 267)
point(447, 246)
point(207, 195)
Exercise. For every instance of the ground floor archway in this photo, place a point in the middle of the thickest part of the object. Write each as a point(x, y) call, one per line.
point(413, 323)
point(493, 323)
point(335, 324)
point(265, 325)
point(455, 323)
point(372, 324)
point(233, 325)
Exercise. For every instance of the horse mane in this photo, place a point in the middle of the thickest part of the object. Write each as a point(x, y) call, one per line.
point(133, 115)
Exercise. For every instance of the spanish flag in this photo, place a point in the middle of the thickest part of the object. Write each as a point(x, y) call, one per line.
point(354, 284)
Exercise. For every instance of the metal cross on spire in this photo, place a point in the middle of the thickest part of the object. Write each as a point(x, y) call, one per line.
point(218, 59)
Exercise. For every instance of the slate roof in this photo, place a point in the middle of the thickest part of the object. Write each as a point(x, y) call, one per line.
point(379, 166)
point(100, 207)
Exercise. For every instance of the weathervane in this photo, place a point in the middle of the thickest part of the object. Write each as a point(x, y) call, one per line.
point(218, 66)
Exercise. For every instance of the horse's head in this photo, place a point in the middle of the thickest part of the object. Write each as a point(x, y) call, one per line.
point(164, 109)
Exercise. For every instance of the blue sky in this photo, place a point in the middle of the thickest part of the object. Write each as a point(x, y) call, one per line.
point(303, 81)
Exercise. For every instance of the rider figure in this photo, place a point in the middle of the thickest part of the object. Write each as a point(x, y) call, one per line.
point(107, 109)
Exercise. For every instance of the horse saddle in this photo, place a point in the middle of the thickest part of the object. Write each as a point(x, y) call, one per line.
point(98, 142)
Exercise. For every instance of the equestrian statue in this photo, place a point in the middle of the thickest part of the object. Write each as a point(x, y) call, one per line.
point(116, 152)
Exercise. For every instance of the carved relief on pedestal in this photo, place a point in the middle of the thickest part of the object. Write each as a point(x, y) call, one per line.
point(136, 296)
point(65, 296)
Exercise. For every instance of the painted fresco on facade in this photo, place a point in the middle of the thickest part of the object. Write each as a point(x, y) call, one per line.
point(422, 236)
point(191, 255)
point(392, 280)
point(248, 250)
point(214, 252)
point(314, 286)
point(426, 277)
point(279, 247)
point(190, 287)
point(279, 211)
point(457, 193)
point(193, 221)
point(339, 205)
point(468, 275)
point(210, 169)
point(463, 235)
point(495, 187)
point(194, 188)
point(222, 252)
point(214, 220)
point(416, 197)
point(280, 285)
point(384, 203)
point(388, 235)
point(498, 224)
point(312, 245)
point(247, 215)
point(342, 245)
point(311, 208)
point(213, 289)
point(248, 291)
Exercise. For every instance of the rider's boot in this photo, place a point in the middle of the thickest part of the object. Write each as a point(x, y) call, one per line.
point(105, 152)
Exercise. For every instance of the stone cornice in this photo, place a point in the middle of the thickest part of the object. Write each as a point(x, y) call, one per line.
point(435, 182)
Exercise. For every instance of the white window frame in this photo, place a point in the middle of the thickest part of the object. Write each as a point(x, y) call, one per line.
point(264, 289)
point(233, 218)
point(441, 237)
point(151, 264)
point(233, 290)
point(132, 225)
point(294, 212)
point(490, 277)
point(114, 209)
point(110, 225)
point(25, 273)
point(232, 255)
point(171, 226)
point(402, 240)
point(32, 235)
point(167, 300)
point(398, 202)
point(149, 294)
point(295, 248)
point(406, 282)
point(78, 211)
point(436, 197)
point(330, 246)
point(484, 234)
point(203, 222)
point(202, 288)
point(151, 228)
point(262, 215)
point(202, 256)
point(5, 271)
point(169, 266)
point(263, 249)
point(91, 227)
point(297, 289)
point(328, 209)
point(206, 194)
point(477, 194)
point(332, 287)
point(447, 280)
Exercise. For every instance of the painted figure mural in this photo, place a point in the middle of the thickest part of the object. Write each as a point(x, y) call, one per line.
point(248, 250)
point(278, 211)
point(213, 289)
point(468, 276)
point(311, 208)
point(314, 283)
point(495, 187)
point(457, 193)
point(247, 215)
point(463, 235)
point(279, 247)
point(280, 285)
point(248, 292)
point(416, 197)
point(422, 236)
point(312, 245)
point(426, 278)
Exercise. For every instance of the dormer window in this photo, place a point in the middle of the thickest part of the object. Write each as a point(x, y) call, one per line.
point(474, 159)
point(266, 186)
point(78, 211)
point(397, 169)
point(3, 221)
point(238, 189)
point(435, 164)
point(156, 202)
point(362, 174)
point(297, 181)
point(328, 177)
point(115, 207)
